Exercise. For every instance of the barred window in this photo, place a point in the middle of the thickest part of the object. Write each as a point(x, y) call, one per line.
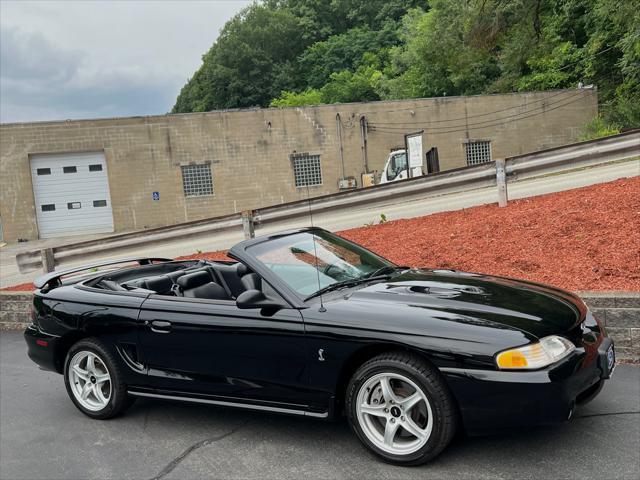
point(197, 180)
point(478, 151)
point(307, 170)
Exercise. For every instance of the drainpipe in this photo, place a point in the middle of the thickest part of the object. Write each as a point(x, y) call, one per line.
point(363, 136)
point(340, 149)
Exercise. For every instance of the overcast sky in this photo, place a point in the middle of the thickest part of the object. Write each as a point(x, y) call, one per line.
point(87, 59)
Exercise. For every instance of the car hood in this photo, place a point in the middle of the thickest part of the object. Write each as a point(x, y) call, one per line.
point(537, 309)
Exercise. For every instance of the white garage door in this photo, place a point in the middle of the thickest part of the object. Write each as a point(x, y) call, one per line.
point(72, 194)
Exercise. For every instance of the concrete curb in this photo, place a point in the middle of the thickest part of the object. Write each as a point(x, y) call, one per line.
point(620, 312)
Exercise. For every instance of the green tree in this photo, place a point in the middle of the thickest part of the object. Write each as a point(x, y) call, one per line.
point(310, 96)
point(616, 31)
point(346, 86)
point(253, 60)
point(322, 18)
point(301, 52)
point(343, 52)
point(258, 54)
point(438, 56)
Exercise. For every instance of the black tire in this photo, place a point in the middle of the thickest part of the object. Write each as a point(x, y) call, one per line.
point(119, 400)
point(432, 384)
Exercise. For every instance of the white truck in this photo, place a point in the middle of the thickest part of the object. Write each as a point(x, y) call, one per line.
point(395, 167)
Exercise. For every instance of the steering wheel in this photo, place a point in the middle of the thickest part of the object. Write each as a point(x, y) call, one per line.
point(342, 275)
point(327, 269)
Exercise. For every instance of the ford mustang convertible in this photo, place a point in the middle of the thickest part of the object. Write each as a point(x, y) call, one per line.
point(307, 323)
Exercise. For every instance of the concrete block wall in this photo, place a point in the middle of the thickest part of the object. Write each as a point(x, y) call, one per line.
point(249, 151)
point(14, 310)
point(620, 311)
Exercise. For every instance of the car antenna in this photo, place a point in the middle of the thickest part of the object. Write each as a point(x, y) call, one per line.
point(315, 251)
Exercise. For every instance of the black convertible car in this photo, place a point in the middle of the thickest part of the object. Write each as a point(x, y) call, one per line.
point(308, 323)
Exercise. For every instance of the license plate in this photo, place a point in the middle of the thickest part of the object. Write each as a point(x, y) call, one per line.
point(611, 359)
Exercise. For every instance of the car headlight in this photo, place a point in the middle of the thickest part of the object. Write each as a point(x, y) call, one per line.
point(537, 355)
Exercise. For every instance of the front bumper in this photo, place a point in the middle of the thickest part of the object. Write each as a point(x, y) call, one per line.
point(492, 400)
point(42, 348)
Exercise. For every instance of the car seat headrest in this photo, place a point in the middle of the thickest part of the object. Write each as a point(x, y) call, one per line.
point(160, 284)
point(242, 269)
point(193, 280)
point(251, 281)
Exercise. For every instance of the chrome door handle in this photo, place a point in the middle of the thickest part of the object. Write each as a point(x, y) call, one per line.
point(160, 326)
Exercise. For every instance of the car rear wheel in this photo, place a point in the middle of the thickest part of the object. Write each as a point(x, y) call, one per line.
point(401, 409)
point(93, 380)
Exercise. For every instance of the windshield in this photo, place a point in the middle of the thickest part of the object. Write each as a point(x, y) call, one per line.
point(397, 164)
point(307, 265)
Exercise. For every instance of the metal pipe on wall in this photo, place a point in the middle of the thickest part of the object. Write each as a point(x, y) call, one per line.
point(339, 133)
point(363, 136)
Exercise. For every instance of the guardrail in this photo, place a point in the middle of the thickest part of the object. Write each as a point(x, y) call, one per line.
point(498, 173)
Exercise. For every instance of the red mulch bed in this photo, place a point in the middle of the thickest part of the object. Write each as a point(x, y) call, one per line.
point(219, 255)
point(23, 287)
point(582, 239)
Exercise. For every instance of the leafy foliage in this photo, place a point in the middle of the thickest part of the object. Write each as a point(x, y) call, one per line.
point(310, 96)
point(343, 52)
point(302, 52)
point(598, 128)
point(252, 61)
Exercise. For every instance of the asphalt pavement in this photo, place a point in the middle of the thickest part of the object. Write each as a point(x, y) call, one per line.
point(42, 435)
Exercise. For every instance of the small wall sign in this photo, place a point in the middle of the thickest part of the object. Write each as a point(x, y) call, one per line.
point(155, 196)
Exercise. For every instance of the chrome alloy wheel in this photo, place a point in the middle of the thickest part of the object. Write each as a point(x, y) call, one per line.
point(89, 380)
point(394, 413)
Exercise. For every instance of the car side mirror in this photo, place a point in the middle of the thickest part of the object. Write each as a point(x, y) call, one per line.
point(257, 299)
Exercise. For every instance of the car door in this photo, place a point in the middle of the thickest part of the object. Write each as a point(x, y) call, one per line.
point(211, 347)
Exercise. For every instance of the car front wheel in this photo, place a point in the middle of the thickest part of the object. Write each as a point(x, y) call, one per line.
point(400, 407)
point(93, 380)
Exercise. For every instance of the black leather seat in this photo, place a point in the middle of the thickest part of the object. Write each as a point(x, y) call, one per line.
point(200, 285)
point(161, 284)
point(174, 276)
point(251, 281)
point(232, 275)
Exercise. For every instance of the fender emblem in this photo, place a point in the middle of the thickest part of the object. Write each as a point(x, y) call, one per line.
point(320, 355)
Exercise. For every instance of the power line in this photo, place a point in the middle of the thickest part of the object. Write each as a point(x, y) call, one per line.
point(447, 127)
point(466, 125)
point(398, 132)
point(394, 132)
point(588, 57)
point(474, 116)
